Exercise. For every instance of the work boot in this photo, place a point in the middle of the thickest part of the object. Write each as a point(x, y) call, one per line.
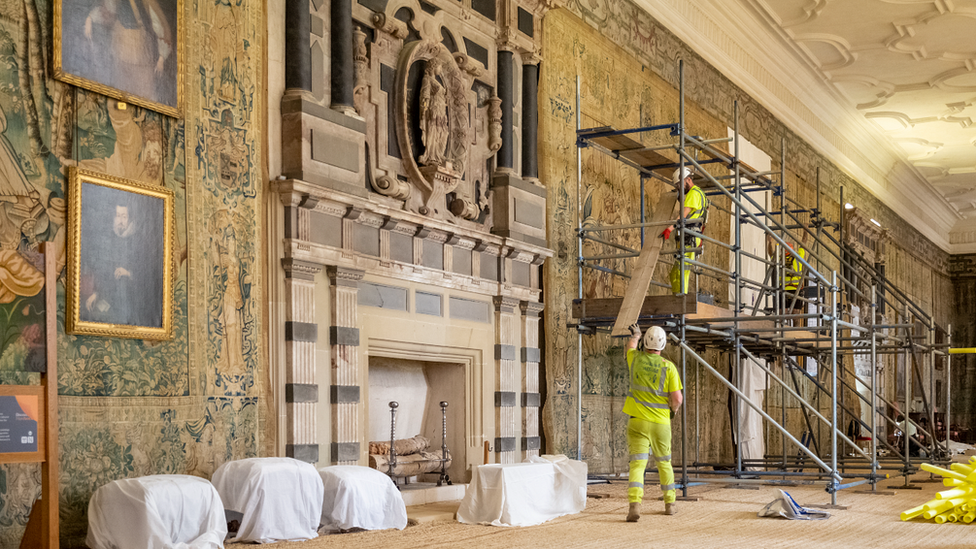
point(633, 515)
point(670, 509)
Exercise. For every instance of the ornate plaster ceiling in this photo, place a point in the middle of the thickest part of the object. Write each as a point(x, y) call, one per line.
point(909, 66)
point(893, 82)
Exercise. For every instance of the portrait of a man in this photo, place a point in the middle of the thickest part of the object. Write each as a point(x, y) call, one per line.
point(127, 49)
point(121, 281)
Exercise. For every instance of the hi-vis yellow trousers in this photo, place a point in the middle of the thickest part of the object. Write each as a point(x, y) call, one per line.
point(642, 436)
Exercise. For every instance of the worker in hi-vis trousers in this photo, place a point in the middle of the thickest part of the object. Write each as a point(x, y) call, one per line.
point(654, 397)
point(695, 214)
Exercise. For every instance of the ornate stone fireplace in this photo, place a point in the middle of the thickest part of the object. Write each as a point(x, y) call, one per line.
point(410, 231)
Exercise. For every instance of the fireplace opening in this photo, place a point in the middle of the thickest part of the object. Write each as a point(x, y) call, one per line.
point(418, 387)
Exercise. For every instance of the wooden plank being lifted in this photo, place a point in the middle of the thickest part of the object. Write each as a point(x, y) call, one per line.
point(609, 307)
point(640, 279)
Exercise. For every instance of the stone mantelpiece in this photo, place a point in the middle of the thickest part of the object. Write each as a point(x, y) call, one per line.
point(354, 241)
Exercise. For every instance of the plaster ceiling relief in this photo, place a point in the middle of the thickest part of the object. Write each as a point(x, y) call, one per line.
point(961, 79)
point(851, 18)
point(831, 52)
point(920, 106)
point(797, 12)
point(899, 69)
point(863, 91)
point(890, 121)
point(936, 35)
point(917, 148)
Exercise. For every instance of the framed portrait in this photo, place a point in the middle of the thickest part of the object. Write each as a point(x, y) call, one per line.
point(131, 50)
point(120, 257)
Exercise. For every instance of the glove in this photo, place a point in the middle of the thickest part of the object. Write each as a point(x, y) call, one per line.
point(672, 413)
point(635, 330)
point(667, 233)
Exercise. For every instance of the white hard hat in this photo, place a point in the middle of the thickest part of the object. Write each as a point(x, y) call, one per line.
point(655, 338)
point(680, 174)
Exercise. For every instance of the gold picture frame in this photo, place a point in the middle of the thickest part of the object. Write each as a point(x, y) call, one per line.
point(131, 50)
point(120, 257)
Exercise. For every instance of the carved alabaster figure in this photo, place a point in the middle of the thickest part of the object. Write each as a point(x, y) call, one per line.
point(433, 116)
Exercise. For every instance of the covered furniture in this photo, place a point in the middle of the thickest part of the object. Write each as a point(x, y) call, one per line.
point(524, 494)
point(280, 498)
point(156, 512)
point(360, 497)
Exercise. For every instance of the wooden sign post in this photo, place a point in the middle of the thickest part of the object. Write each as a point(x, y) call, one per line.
point(29, 422)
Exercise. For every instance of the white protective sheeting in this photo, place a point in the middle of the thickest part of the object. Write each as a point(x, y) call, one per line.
point(360, 497)
point(156, 512)
point(280, 498)
point(786, 507)
point(524, 494)
point(753, 384)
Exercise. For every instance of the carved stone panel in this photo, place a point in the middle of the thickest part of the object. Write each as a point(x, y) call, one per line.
point(439, 110)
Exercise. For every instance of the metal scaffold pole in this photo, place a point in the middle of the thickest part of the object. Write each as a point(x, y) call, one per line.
point(906, 422)
point(874, 387)
point(833, 385)
point(930, 339)
point(579, 280)
point(948, 390)
point(684, 291)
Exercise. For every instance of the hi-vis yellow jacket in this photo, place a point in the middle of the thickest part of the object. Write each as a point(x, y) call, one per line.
point(795, 268)
point(652, 377)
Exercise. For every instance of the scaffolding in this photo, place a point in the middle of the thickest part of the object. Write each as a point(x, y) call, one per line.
point(804, 326)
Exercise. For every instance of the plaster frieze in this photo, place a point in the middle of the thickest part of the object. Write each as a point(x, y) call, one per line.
point(962, 266)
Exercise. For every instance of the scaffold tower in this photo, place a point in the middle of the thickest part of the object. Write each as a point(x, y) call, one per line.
point(796, 337)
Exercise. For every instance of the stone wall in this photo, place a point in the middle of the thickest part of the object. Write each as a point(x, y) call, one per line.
point(130, 407)
point(963, 292)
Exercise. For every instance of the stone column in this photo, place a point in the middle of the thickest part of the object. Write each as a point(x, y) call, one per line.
point(298, 61)
point(506, 92)
point(301, 333)
point(507, 382)
point(530, 121)
point(531, 356)
point(342, 76)
point(344, 338)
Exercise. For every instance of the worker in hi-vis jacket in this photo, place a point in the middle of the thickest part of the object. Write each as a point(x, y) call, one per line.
point(653, 399)
point(695, 213)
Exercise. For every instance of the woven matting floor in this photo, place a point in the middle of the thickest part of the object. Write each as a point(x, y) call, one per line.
point(723, 517)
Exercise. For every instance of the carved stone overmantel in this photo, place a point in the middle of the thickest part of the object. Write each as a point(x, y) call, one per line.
point(396, 184)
